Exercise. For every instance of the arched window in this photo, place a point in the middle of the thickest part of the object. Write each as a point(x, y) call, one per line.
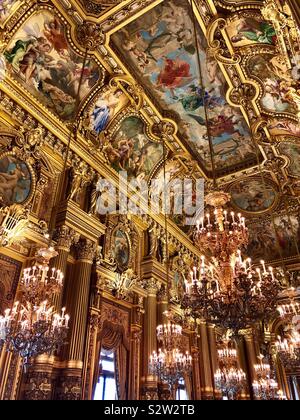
point(106, 388)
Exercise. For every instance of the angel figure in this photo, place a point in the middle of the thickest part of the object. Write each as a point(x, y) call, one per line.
point(81, 177)
point(55, 35)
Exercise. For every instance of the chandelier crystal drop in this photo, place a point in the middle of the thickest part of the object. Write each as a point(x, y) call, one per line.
point(265, 387)
point(32, 327)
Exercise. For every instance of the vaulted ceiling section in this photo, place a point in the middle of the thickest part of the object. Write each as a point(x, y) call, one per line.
point(142, 73)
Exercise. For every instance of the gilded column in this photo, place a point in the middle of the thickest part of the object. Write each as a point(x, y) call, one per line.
point(65, 237)
point(91, 356)
point(77, 290)
point(150, 339)
point(39, 379)
point(196, 368)
point(162, 306)
point(205, 365)
point(213, 354)
point(135, 349)
point(77, 300)
point(242, 364)
point(251, 360)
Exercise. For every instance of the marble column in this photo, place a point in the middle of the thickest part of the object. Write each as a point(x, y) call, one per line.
point(205, 365)
point(149, 390)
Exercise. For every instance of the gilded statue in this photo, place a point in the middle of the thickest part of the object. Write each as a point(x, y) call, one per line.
point(81, 178)
point(96, 193)
point(153, 237)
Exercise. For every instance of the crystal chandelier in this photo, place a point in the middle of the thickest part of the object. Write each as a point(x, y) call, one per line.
point(221, 234)
point(228, 290)
point(229, 379)
point(32, 327)
point(291, 307)
point(170, 364)
point(169, 335)
point(233, 295)
point(33, 330)
point(265, 387)
point(288, 349)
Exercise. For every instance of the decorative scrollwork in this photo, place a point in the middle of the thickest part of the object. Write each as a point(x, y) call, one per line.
point(90, 35)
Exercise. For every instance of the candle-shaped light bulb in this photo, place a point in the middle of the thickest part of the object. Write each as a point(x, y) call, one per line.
point(232, 215)
point(208, 218)
point(264, 266)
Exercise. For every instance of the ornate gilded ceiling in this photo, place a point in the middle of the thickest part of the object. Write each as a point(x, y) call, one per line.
point(141, 76)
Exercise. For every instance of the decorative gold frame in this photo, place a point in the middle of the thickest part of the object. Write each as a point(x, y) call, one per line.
point(32, 175)
point(268, 182)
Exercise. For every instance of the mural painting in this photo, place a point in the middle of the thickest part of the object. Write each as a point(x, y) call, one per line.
point(10, 271)
point(251, 196)
point(105, 109)
point(284, 126)
point(15, 181)
point(276, 97)
point(292, 151)
point(263, 239)
point(121, 248)
point(251, 30)
point(131, 150)
point(40, 58)
point(161, 47)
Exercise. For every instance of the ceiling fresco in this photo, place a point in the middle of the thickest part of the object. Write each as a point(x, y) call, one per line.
point(161, 47)
point(141, 77)
point(40, 58)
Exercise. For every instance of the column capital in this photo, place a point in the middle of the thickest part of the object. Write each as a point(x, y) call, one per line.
point(162, 295)
point(65, 237)
point(152, 286)
point(86, 250)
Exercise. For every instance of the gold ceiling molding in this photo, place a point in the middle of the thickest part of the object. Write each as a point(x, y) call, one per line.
point(244, 91)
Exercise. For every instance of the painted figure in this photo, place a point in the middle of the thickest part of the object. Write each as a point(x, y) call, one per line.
point(15, 181)
point(105, 110)
point(253, 30)
point(162, 49)
point(40, 57)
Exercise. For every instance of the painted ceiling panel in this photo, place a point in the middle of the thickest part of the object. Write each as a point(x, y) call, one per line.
point(40, 58)
point(161, 50)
